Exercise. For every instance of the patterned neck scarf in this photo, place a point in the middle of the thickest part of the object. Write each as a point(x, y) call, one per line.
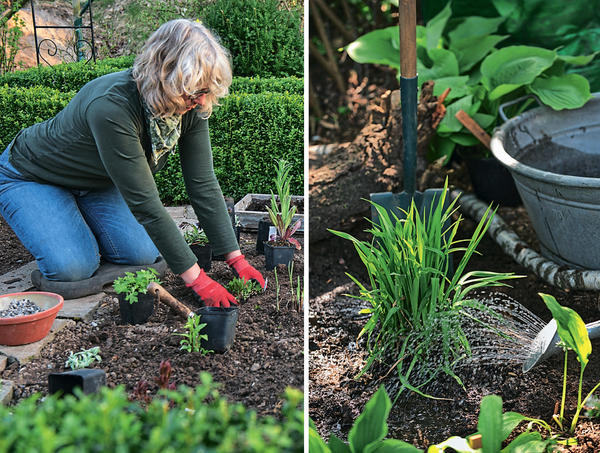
point(164, 133)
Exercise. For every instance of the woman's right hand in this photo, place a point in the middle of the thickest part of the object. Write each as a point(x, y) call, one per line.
point(211, 293)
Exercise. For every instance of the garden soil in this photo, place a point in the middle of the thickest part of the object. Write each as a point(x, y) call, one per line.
point(265, 358)
point(337, 397)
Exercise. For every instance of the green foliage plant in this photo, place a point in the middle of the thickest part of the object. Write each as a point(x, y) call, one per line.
point(242, 289)
point(11, 31)
point(192, 338)
point(465, 58)
point(83, 358)
point(194, 235)
point(417, 306)
point(281, 211)
point(133, 284)
point(574, 336)
point(277, 288)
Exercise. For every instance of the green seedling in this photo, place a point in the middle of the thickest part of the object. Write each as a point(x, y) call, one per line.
point(277, 288)
point(134, 284)
point(243, 290)
point(192, 338)
point(83, 358)
point(574, 336)
point(194, 235)
point(282, 213)
point(296, 293)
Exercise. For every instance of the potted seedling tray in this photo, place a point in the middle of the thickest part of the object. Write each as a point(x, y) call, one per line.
point(252, 208)
point(27, 328)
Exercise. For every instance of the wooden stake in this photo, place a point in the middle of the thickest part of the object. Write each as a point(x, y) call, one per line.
point(473, 127)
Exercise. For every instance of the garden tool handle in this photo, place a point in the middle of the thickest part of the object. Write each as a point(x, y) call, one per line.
point(408, 38)
point(166, 298)
point(516, 101)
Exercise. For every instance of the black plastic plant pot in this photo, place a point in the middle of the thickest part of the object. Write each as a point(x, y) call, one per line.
point(220, 327)
point(492, 182)
point(203, 254)
point(88, 380)
point(138, 312)
point(263, 235)
point(276, 254)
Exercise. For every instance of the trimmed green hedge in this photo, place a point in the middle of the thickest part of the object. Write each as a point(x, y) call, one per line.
point(248, 133)
point(72, 76)
point(200, 420)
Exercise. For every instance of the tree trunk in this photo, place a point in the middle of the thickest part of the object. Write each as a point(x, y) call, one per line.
point(341, 179)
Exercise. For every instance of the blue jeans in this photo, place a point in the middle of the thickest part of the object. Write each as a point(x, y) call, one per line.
point(67, 231)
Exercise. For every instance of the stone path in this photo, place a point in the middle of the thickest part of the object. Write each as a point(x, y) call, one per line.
point(73, 310)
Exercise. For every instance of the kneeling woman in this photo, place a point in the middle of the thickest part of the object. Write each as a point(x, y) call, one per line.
point(79, 186)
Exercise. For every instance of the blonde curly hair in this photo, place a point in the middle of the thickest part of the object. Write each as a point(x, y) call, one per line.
point(180, 58)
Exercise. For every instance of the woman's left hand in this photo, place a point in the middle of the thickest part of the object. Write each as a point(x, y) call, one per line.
point(244, 270)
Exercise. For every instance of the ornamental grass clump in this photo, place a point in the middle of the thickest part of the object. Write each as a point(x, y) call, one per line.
point(418, 308)
point(282, 213)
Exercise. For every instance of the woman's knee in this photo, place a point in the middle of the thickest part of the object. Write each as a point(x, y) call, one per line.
point(69, 268)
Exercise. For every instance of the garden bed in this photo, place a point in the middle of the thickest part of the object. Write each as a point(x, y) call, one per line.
point(266, 355)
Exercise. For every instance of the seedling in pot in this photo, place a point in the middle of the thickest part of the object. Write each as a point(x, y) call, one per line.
point(132, 285)
point(282, 213)
point(192, 338)
point(243, 290)
point(194, 235)
point(83, 358)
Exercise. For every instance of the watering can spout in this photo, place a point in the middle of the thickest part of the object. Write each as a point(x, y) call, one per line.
point(545, 344)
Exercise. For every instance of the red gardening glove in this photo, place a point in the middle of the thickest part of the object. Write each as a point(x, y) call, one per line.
point(244, 270)
point(211, 293)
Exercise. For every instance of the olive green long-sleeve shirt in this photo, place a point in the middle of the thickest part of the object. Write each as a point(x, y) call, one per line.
point(101, 139)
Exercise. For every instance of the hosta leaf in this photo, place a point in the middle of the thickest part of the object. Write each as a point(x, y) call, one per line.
point(514, 66)
point(450, 123)
point(471, 51)
point(436, 26)
point(444, 64)
point(571, 328)
point(316, 444)
point(490, 424)
point(569, 91)
point(371, 425)
point(458, 444)
point(475, 26)
point(336, 445)
point(378, 47)
point(484, 120)
point(458, 87)
point(527, 442)
point(463, 139)
point(579, 60)
point(440, 146)
point(510, 420)
point(391, 446)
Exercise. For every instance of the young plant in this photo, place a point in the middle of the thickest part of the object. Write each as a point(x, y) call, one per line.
point(417, 306)
point(134, 284)
point(282, 213)
point(164, 376)
point(574, 335)
point(83, 358)
point(296, 293)
point(194, 235)
point(192, 338)
point(277, 288)
point(243, 290)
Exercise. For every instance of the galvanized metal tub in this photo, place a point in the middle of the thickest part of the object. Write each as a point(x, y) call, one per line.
point(554, 157)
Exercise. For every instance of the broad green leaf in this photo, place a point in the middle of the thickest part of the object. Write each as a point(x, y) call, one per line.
point(506, 8)
point(459, 444)
point(579, 60)
point(449, 123)
point(527, 442)
point(440, 147)
point(489, 424)
point(458, 87)
point(316, 444)
point(378, 47)
point(371, 425)
point(510, 420)
point(463, 139)
point(443, 64)
point(391, 446)
point(436, 26)
point(483, 119)
point(475, 26)
point(336, 445)
point(571, 328)
point(569, 91)
point(471, 51)
point(511, 67)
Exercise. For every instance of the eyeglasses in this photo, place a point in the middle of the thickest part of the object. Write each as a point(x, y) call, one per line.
point(196, 94)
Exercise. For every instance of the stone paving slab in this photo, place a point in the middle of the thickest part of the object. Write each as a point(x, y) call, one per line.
point(6, 391)
point(18, 280)
point(26, 352)
point(81, 308)
point(3, 360)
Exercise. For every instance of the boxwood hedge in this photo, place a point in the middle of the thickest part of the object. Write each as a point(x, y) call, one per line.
point(248, 132)
point(186, 420)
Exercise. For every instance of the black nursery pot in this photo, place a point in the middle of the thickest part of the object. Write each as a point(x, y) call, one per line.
point(138, 312)
point(88, 380)
point(263, 235)
point(492, 182)
point(275, 255)
point(203, 254)
point(220, 327)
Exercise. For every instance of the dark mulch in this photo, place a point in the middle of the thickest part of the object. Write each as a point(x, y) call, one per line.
point(267, 354)
point(12, 252)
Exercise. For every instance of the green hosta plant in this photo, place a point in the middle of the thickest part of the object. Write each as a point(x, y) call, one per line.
point(83, 358)
point(133, 284)
point(194, 235)
point(417, 307)
point(281, 211)
point(242, 289)
point(465, 58)
point(192, 338)
point(574, 336)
